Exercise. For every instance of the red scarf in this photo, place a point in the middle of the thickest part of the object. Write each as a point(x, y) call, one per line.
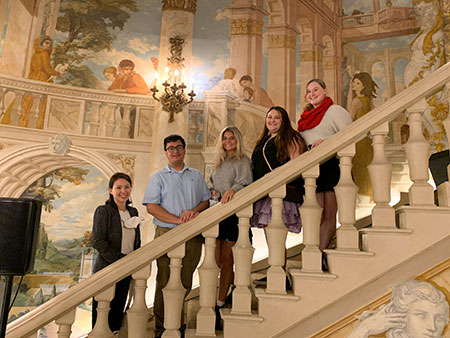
point(311, 118)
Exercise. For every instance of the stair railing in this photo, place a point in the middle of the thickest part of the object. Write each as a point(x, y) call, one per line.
point(61, 308)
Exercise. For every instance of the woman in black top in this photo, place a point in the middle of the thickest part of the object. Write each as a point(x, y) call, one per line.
point(115, 234)
point(278, 144)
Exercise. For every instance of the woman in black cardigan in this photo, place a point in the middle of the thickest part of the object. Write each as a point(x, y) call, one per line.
point(115, 234)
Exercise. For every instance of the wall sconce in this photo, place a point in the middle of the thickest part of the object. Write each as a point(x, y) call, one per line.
point(173, 99)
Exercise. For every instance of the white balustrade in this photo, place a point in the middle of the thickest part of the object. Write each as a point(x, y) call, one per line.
point(243, 254)
point(208, 273)
point(444, 188)
point(346, 194)
point(417, 152)
point(276, 233)
point(138, 314)
point(101, 328)
point(35, 110)
point(380, 170)
point(311, 214)
point(173, 294)
point(65, 323)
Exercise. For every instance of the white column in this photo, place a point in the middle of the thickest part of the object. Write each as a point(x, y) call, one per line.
point(137, 315)
point(417, 152)
point(173, 294)
point(65, 323)
point(208, 272)
point(276, 241)
point(380, 170)
point(243, 254)
point(101, 328)
point(110, 119)
point(346, 194)
point(311, 214)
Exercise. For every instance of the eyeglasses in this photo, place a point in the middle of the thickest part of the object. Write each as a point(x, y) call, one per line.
point(178, 147)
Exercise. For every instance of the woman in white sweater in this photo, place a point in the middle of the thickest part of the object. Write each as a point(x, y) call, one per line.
point(321, 119)
point(232, 172)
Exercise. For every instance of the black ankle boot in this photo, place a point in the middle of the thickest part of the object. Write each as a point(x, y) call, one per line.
point(219, 324)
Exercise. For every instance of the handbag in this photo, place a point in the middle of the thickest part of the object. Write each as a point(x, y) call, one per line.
point(293, 192)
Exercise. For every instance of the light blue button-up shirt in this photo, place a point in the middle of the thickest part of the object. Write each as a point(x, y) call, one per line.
point(176, 191)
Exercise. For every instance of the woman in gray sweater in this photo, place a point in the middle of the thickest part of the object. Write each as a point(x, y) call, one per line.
point(232, 172)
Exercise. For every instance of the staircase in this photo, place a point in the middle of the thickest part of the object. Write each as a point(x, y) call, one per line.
point(362, 265)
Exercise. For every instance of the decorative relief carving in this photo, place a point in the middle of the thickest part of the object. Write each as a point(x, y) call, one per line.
point(60, 144)
point(281, 41)
point(64, 115)
point(180, 5)
point(246, 27)
point(127, 162)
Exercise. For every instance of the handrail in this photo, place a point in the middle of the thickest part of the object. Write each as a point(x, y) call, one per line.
point(105, 278)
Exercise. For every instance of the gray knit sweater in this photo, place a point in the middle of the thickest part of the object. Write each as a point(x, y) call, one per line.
point(231, 175)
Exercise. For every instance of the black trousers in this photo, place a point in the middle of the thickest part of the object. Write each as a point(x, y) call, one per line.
point(117, 305)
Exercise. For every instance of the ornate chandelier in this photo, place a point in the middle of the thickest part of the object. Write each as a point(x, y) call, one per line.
point(173, 99)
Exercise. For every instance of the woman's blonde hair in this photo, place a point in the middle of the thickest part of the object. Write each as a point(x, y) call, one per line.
point(220, 152)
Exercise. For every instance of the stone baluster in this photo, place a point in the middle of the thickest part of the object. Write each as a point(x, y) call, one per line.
point(137, 315)
point(16, 112)
point(417, 152)
point(346, 194)
point(276, 233)
point(311, 214)
point(243, 254)
point(173, 294)
point(208, 273)
point(94, 121)
point(65, 323)
point(2, 100)
point(34, 112)
point(101, 328)
point(380, 170)
point(110, 120)
point(125, 122)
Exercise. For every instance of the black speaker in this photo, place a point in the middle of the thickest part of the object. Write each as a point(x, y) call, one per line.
point(19, 230)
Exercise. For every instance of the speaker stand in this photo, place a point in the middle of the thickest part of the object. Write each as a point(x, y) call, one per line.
point(6, 283)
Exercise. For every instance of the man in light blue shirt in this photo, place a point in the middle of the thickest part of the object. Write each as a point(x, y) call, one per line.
point(175, 194)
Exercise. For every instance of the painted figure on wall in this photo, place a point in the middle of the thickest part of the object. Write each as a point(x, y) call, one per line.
point(363, 91)
point(417, 309)
point(228, 83)
point(260, 96)
point(40, 70)
point(129, 81)
point(111, 75)
point(427, 55)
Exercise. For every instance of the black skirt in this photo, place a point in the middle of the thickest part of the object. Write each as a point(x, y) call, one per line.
point(229, 229)
point(329, 175)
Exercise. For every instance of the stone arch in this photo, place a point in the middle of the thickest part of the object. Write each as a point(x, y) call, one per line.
point(22, 165)
point(305, 29)
point(328, 49)
point(277, 11)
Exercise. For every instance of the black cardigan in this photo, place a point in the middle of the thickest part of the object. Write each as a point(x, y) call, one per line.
point(107, 234)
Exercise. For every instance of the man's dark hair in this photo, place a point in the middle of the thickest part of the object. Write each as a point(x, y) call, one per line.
point(246, 78)
point(174, 138)
point(126, 63)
